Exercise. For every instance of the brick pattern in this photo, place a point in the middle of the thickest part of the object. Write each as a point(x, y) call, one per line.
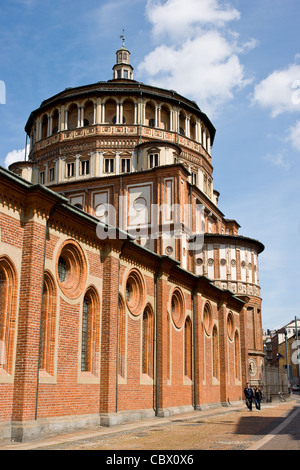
point(194, 367)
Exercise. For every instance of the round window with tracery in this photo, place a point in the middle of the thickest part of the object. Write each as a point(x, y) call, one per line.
point(230, 326)
point(71, 269)
point(177, 308)
point(207, 319)
point(135, 292)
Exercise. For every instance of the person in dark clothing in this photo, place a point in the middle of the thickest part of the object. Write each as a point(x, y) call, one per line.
point(257, 398)
point(248, 392)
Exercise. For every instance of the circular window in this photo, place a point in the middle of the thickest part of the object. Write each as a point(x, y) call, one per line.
point(139, 204)
point(223, 262)
point(135, 292)
point(169, 250)
point(210, 262)
point(177, 308)
point(207, 319)
point(230, 326)
point(71, 269)
point(101, 211)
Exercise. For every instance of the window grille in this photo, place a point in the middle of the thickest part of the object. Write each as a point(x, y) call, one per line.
point(85, 331)
point(2, 319)
point(62, 269)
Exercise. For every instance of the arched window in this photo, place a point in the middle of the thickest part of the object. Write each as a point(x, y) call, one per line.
point(121, 338)
point(44, 130)
point(55, 122)
point(150, 114)
point(237, 358)
point(48, 323)
point(8, 299)
point(188, 348)
point(129, 112)
point(215, 346)
point(88, 113)
point(72, 117)
point(147, 352)
point(90, 332)
point(207, 319)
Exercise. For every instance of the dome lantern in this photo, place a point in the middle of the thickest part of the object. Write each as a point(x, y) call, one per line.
point(122, 69)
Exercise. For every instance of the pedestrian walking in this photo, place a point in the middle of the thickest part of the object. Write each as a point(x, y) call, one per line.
point(257, 397)
point(248, 392)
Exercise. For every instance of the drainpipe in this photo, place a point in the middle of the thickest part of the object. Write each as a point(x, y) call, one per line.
point(41, 312)
point(157, 276)
point(194, 350)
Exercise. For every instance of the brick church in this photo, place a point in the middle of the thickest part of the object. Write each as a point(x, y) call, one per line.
point(125, 293)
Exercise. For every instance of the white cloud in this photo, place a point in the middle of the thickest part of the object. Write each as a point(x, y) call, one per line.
point(198, 58)
point(280, 91)
point(294, 136)
point(15, 156)
point(279, 159)
point(177, 18)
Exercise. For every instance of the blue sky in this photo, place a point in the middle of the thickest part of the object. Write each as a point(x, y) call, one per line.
point(239, 60)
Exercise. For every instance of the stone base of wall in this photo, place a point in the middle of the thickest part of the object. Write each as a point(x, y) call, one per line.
point(45, 427)
point(33, 430)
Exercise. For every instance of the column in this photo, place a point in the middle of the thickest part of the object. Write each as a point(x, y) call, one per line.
point(204, 139)
point(92, 164)
point(56, 170)
point(110, 294)
point(171, 120)
point(161, 317)
point(27, 347)
point(50, 125)
point(98, 111)
point(77, 162)
point(135, 113)
point(101, 164)
point(117, 163)
point(81, 116)
point(66, 120)
point(118, 114)
point(156, 117)
point(78, 116)
point(223, 352)
point(59, 121)
point(196, 131)
point(121, 113)
point(103, 113)
point(199, 355)
point(208, 144)
point(46, 174)
point(40, 130)
point(134, 160)
point(200, 133)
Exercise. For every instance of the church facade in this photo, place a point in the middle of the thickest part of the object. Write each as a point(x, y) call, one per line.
point(125, 293)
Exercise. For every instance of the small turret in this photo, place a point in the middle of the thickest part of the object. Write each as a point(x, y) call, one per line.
point(122, 69)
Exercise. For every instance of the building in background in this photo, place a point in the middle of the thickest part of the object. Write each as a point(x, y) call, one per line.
point(125, 292)
point(282, 352)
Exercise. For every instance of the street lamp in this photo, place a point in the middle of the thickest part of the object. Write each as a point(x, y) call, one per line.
point(287, 357)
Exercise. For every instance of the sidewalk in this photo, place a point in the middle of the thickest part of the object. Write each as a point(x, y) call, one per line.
point(136, 435)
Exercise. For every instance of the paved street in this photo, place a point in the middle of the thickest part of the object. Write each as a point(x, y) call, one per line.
point(277, 426)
